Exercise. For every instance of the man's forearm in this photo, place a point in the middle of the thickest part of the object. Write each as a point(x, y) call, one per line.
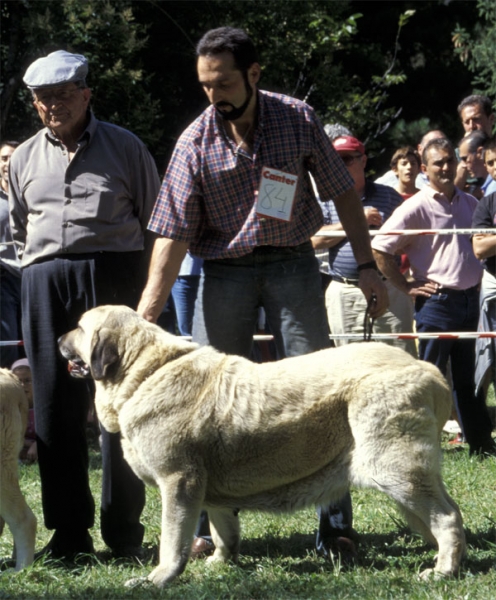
point(167, 256)
point(484, 246)
point(389, 268)
point(320, 242)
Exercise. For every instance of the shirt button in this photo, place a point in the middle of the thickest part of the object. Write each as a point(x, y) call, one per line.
point(68, 201)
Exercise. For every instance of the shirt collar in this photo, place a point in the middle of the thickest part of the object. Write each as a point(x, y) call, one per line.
point(87, 134)
point(435, 195)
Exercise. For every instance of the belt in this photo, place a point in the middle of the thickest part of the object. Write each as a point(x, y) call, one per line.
point(446, 290)
point(344, 280)
point(340, 279)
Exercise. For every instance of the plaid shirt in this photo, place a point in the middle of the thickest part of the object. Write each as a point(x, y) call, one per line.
point(209, 193)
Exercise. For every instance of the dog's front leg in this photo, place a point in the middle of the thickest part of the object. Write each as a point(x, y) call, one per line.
point(182, 500)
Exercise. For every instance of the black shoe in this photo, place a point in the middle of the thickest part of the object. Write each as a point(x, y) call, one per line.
point(66, 545)
point(485, 450)
point(128, 552)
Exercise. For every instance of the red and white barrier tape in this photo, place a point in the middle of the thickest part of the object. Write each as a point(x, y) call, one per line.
point(442, 335)
point(374, 232)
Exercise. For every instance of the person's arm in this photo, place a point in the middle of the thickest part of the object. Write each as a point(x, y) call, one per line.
point(354, 222)
point(484, 245)
point(389, 268)
point(167, 256)
point(319, 242)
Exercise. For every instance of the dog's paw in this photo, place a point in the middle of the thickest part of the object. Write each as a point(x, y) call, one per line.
point(432, 574)
point(136, 582)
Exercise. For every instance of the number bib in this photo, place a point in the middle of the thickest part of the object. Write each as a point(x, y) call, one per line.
point(276, 194)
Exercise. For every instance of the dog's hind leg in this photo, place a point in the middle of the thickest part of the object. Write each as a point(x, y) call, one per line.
point(436, 512)
point(224, 527)
point(181, 506)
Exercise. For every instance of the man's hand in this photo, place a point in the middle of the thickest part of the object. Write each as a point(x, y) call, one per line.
point(372, 285)
point(373, 216)
point(422, 288)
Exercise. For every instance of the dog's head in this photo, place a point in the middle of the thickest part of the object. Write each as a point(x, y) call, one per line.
point(112, 343)
point(107, 336)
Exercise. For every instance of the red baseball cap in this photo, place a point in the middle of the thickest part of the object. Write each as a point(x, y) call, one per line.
point(347, 143)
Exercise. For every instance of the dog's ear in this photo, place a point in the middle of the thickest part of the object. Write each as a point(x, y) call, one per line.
point(103, 356)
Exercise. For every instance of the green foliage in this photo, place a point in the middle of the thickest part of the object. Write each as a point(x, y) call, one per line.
point(477, 49)
point(106, 32)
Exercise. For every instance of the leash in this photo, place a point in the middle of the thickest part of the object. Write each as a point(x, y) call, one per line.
point(368, 321)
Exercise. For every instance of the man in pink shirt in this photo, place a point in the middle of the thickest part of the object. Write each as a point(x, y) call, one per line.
point(445, 284)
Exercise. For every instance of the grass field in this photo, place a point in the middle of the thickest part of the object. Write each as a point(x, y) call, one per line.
point(278, 559)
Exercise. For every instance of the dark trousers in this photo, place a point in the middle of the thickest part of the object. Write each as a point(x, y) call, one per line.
point(10, 317)
point(55, 293)
point(456, 310)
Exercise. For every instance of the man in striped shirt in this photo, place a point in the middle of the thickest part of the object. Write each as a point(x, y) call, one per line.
point(346, 305)
point(237, 193)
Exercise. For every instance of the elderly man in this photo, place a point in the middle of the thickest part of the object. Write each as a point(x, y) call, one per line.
point(81, 193)
point(237, 192)
point(346, 305)
point(445, 285)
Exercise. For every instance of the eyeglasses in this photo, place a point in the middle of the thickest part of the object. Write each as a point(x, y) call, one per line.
point(349, 159)
point(59, 95)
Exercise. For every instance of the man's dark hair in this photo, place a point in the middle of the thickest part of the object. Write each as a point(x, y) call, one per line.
point(474, 140)
point(12, 144)
point(490, 144)
point(476, 100)
point(440, 144)
point(228, 39)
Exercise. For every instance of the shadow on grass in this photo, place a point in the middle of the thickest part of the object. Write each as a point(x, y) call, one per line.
point(377, 551)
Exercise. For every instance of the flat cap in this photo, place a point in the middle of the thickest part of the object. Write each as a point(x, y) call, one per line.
point(55, 69)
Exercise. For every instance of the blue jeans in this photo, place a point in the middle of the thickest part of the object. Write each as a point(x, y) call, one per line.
point(184, 292)
point(180, 306)
point(456, 310)
point(286, 283)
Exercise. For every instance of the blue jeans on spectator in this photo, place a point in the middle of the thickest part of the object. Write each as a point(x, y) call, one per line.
point(10, 316)
point(177, 314)
point(184, 292)
point(456, 310)
point(286, 282)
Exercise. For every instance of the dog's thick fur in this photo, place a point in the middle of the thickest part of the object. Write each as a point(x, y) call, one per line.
point(220, 432)
point(13, 508)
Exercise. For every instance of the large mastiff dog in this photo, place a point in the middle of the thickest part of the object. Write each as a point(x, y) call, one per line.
point(219, 432)
point(13, 508)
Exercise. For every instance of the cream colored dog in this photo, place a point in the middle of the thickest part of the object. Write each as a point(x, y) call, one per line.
point(219, 432)
point(13, 508)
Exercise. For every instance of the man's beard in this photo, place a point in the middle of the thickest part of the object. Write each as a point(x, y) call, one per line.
point(235, 112)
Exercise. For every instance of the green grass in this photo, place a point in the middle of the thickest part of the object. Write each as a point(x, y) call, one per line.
point(278, 559)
